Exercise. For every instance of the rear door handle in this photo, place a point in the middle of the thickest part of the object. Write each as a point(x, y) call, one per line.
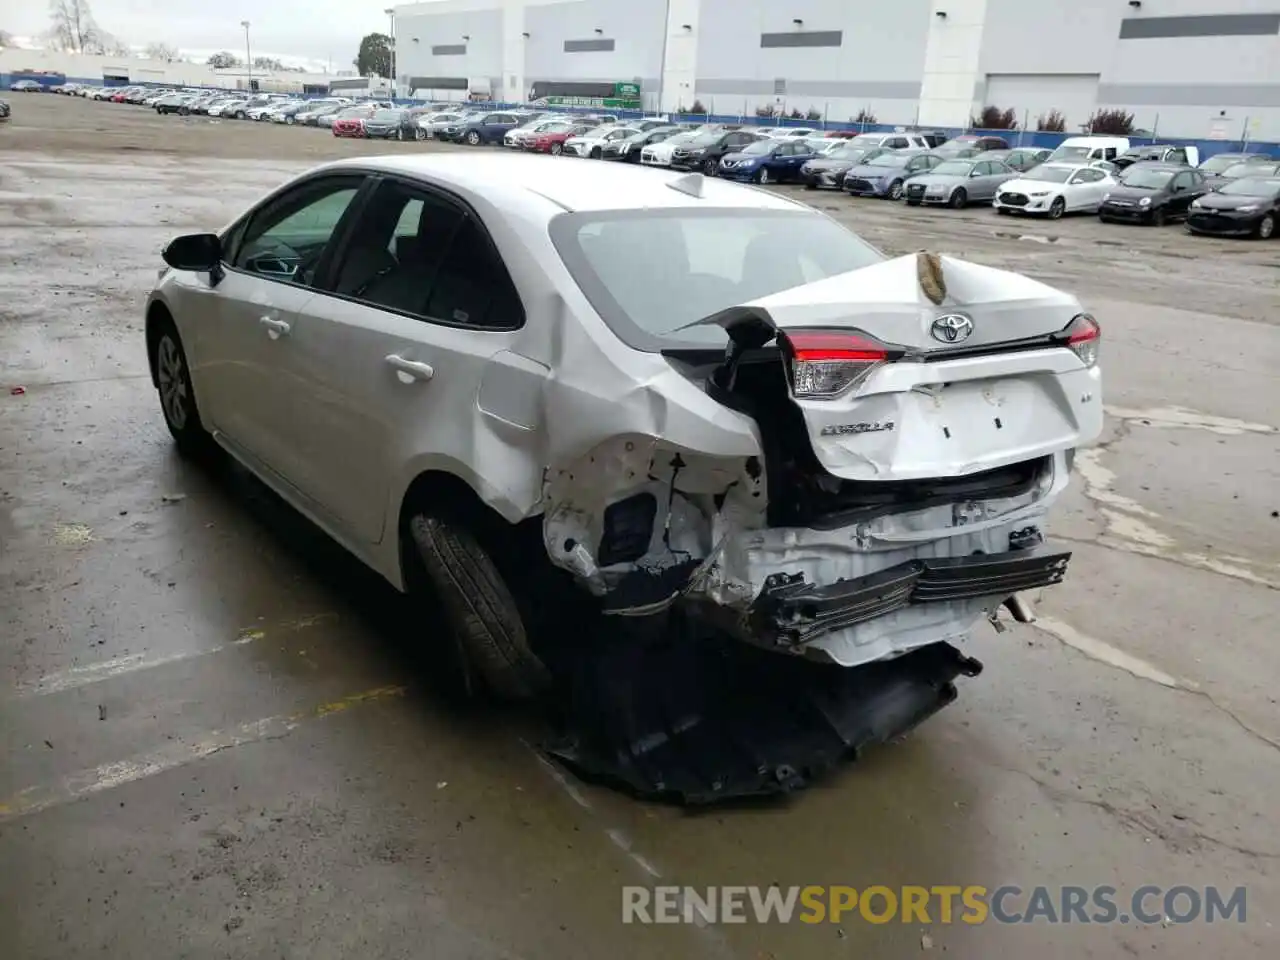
point(275, 328)
point(407, 371)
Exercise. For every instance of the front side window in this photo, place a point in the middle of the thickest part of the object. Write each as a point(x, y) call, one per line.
point(286, 239)
point(708, 261)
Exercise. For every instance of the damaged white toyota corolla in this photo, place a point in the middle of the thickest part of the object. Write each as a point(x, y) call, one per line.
point(510, 375)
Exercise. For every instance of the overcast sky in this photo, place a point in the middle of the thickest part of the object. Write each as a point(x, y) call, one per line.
point(311, 29)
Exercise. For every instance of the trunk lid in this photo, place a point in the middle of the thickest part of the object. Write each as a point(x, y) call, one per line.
point(977, 375)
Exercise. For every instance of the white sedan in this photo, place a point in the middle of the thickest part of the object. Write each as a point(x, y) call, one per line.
point(659, 154)
point(591, 144)
point(544, 387)
point(1053, 189)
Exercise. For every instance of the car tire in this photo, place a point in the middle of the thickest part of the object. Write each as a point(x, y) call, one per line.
point(177, 395)
point(959, 199)
point(762, 177)
point(473, 138)
point(1001, 211)
point(1057, 208)
point(1266, 228)
point(910, 203)
point(710, 166)
point(895, 190)
point(596, 153)
point(810, 185)
point(1158, 217)
point(290, 121)
point(419, 134)
point(479, 609)
point(240, 115)
point(400, 134)
point(557, 149)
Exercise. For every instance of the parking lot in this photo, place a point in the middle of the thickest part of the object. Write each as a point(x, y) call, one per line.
point(221, 739)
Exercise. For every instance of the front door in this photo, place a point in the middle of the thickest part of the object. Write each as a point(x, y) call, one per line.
point(271, 271)
point(392, 356)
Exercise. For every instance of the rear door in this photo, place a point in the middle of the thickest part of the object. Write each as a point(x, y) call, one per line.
point(275, 259)
point(393, 355)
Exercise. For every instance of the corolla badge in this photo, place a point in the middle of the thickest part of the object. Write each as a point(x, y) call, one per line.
point(952, 328)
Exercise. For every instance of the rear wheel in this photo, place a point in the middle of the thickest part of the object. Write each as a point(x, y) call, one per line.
point(473, 138)
point(1266, 228)
point(480, 609)
point(1158, 217)
point(910, 203)
point(895, 190)
point(960, 198)
point(400, 134)
point(557, 149)
point(709, 166)
point(1057, 208)
point(419, 134)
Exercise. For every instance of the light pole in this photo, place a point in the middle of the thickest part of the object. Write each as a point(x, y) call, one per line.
point(391, 13)
point(248, 57)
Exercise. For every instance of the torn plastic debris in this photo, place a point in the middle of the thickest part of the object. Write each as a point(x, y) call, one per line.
point(683, 716)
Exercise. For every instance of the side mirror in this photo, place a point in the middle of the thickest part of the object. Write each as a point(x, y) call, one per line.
point(974, 173)
point(198, 252)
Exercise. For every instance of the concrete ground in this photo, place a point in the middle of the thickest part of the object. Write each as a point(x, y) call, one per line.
point(220, 740)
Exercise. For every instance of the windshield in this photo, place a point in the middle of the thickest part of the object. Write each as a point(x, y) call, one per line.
point(866, 140)
point(1219, 163)
point(1245, 170)
point(554, 128)
point(950, 168)
point(1049, 174)
point(705, 139)
point(1252, 187)
point(846, 152)
point(889, 160)
point(1146, 179)
point(385, 116)
point(761, 148)
point(708, 261)
point(1068, 153)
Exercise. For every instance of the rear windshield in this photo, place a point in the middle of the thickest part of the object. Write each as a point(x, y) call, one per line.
point(1248, 170)
point(1068, 153)
point(1219, 163)
point(889, 160)
point(708, 261)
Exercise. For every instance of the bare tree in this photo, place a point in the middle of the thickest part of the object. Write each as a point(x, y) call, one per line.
point(116, 48)
point(160, 51)
point(74, 29)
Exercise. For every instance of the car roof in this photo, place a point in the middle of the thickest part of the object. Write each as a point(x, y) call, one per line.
point(506, 179)
point(1161, 165)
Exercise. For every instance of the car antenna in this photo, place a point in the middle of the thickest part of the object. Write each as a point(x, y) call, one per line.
point(690, 184)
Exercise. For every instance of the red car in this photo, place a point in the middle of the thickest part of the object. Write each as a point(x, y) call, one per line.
point(553, 142)
point(348, 127)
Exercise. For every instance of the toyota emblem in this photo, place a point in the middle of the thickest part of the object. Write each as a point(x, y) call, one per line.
point(952, 328)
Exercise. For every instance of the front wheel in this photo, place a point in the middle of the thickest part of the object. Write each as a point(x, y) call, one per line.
point(1158, 218)
point(400, 134)
point(290, 121)
point(709, 167)
point(473, 138)
point(959, 199)
point(913, 203)
point(762, 176)
point(240, 114)
point(177, 396)
point(419, 134)
point(557, 149)
point(1266, 228)
point(895, 190)
point(596, 154)
point(1057, 208)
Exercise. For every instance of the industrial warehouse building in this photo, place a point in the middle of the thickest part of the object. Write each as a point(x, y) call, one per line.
point(1192, 68)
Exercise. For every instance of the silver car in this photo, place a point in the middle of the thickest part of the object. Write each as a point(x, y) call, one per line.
point(958, 183)
point(433, 124)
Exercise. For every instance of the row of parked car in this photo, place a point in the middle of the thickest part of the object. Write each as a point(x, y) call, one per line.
point(1228, 193)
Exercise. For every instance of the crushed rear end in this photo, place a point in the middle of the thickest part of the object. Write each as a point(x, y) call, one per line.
point(916, 421)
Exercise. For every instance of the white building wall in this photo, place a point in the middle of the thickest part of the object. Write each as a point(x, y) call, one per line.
point(952, 56)
point(844, 56)
point(632, 29)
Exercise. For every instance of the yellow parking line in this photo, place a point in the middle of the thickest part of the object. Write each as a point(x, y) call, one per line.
point(94, 780)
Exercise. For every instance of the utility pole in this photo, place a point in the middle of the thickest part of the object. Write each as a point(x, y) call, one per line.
point(391, 13)
point(248, 56)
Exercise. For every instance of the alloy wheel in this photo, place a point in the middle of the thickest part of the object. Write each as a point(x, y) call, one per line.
point(173, 382)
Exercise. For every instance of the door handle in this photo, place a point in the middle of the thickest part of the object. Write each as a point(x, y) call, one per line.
point(407, 371)
point(275, 328)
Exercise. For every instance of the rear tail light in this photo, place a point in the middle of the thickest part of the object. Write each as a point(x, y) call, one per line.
point(1083, 337)
point(826, 363)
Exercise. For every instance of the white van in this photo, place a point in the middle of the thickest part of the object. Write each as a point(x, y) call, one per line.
point(1083, 149)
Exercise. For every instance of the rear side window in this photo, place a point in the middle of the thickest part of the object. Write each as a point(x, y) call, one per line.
point(418, 253)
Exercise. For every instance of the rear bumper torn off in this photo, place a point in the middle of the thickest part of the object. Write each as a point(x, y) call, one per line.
point(793, 612)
